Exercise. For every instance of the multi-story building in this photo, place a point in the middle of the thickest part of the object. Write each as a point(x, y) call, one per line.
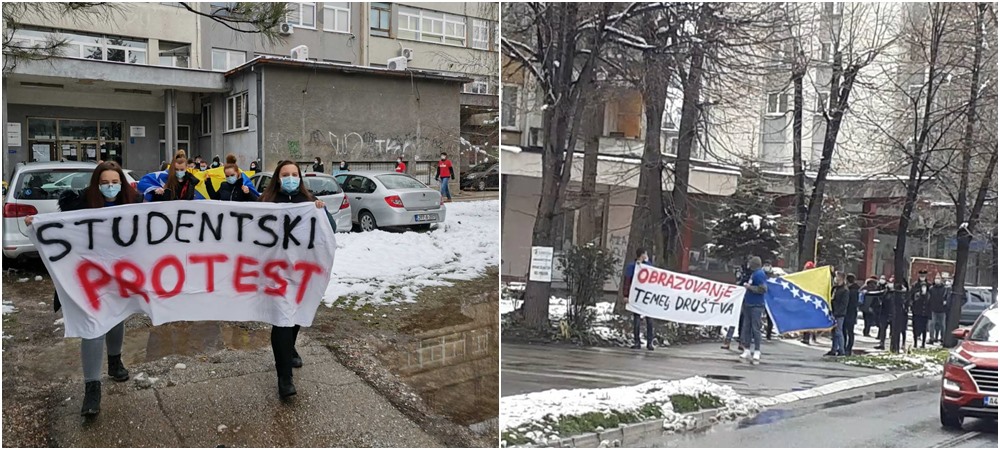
point(753, 126)
point(361, 82)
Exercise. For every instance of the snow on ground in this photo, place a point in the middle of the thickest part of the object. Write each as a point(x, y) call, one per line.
point(523, 410)
point(604, 311)
point(382, 267)
point(8, 307)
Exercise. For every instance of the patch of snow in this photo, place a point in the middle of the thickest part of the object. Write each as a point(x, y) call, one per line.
point(387, 268)
point(524, 410)
point(58, 322)
point(8, 307)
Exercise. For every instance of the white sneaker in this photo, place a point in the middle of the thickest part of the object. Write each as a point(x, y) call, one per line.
point(745, 354)
point(756, 357)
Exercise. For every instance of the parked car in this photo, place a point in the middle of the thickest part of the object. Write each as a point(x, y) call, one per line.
point(35, 189)
point(390, 199)
point(969, 381)
point(977, 300)
point(481, 177)
point(325, 188)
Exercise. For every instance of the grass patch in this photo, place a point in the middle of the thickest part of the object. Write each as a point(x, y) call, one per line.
point(939, 355)
point(684, 403)
point(882, 362)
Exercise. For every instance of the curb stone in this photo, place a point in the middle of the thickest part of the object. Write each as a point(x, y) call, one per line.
point(625, 434)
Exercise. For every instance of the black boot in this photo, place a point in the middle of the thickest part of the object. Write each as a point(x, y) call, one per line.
point(91, 399)
point(296, 359)
point(285, 387)
point(117, 370)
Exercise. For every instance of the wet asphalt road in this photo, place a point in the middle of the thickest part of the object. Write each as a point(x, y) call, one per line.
point(908, 419)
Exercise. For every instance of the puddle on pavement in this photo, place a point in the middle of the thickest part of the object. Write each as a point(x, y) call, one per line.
point(765, 417)
point(191, 339)
point(452, 360)
point(713, 376)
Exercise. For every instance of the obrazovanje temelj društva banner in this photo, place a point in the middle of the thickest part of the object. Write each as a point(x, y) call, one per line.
point(186, 261)
point(678, 297)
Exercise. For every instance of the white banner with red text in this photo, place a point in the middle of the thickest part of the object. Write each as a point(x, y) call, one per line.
point(187, 261)
point(678, 297)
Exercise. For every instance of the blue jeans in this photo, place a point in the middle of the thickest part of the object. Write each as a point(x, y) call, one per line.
point(445, 192)
point(838, 336)
point(753, 316)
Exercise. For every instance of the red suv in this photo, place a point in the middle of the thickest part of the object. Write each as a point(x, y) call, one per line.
point(969, 382)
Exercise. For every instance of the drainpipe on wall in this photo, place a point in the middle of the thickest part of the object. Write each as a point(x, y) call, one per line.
point(6, 153)
point(169, 125)
point(363, 35)
point(259, 71)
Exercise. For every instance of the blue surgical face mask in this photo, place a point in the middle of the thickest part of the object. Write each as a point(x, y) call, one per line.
point(181, 173)
point(290, 184)
point(231, 180)
point(110, 190)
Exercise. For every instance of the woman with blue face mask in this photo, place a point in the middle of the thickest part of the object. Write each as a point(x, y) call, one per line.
point(287, 187)
point(180, 184)
point(233, 189)
point(108, 187)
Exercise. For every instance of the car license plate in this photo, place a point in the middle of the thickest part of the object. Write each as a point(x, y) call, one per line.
point(425, 217)
point(990, 401)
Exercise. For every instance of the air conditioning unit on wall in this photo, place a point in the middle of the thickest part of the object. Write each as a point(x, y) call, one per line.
point(286, 29)
point(300, 53)
point(407, 53)
point(397, 63)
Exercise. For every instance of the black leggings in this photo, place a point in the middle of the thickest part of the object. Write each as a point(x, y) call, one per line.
point(283, 345)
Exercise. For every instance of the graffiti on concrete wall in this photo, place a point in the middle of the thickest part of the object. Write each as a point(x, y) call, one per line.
point(371, 144)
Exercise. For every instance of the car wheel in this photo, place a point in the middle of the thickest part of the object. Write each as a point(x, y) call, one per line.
point(951, 421)
point(422, 227)
point(367, 221)
point(481, 185)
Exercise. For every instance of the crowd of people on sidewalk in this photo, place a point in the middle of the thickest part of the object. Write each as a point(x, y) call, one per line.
point(884, 304)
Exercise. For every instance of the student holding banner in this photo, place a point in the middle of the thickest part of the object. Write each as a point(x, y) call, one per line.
point(232, 189)
point(180, 184)
point(287, 187)
point(107, 188)
point(640, 258)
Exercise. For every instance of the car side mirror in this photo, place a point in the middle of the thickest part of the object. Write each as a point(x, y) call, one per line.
point(960, 333)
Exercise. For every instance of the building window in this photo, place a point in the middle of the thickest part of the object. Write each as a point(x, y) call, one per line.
point(337, 17)
point(833, 8)
point(97, 47)
point(535, 137)
point(777, 103)
point(623, 115)
point(773, 150)
point(75, 139)
point(430, 26)
point(477, 87)
point(826, 52)
point(237, 113)
point(175, 54)
point(480, 34)
point(183, 140)
point(508, 107)
point(302, 15)
point(206, 119)
point(223, 60)
point(380, 16)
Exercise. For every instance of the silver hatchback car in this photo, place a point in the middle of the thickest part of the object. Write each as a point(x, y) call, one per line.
point(325, 188)
point(390, 199)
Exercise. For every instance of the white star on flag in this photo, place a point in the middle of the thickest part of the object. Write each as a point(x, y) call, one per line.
point(784, 284)
point(795, 291)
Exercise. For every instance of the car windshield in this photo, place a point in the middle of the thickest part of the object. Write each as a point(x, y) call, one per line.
point(48, 185)
point(400, 182)
point(984, 330)
point(322, 185)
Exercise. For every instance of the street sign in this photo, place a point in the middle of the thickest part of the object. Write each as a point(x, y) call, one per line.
point(541, 264)
point(13, 134)
point(137, 132)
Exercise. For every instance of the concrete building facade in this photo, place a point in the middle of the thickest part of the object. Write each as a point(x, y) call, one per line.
point(158, 77)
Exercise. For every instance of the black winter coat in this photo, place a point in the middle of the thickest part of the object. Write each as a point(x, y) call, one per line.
point(939, 300)
point(840, 301)
point(920, 299)
point(230, 192)
point(853, 292)
point(298, 197)
point(187, 185)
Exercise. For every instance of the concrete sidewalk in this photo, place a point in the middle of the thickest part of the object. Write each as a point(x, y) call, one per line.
point(785, 367)
point(230, 399)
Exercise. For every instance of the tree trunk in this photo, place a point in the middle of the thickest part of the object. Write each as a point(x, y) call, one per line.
point(687, 132)
point(587, 229)
point(801, 209)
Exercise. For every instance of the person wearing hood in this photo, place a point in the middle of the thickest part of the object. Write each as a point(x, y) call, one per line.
point(343, 167)
point(839, 306)
point(108, 187)
point(641, 257)
point(287, 187)
point(180, 184)
point(254, 166)
point(215, 162)
point(232, 189)
point(920, 299)
point(939, 306)
point(753, 310)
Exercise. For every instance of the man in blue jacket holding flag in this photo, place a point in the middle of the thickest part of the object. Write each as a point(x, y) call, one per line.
point(753, 309)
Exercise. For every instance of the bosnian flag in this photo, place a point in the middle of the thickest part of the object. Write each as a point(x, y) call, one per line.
point(800, 301)
point(153, 180)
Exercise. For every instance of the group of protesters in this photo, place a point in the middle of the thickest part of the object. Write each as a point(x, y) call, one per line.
point(108, 188)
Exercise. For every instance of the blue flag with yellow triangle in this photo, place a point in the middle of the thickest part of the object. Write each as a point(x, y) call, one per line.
point(800, 301)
